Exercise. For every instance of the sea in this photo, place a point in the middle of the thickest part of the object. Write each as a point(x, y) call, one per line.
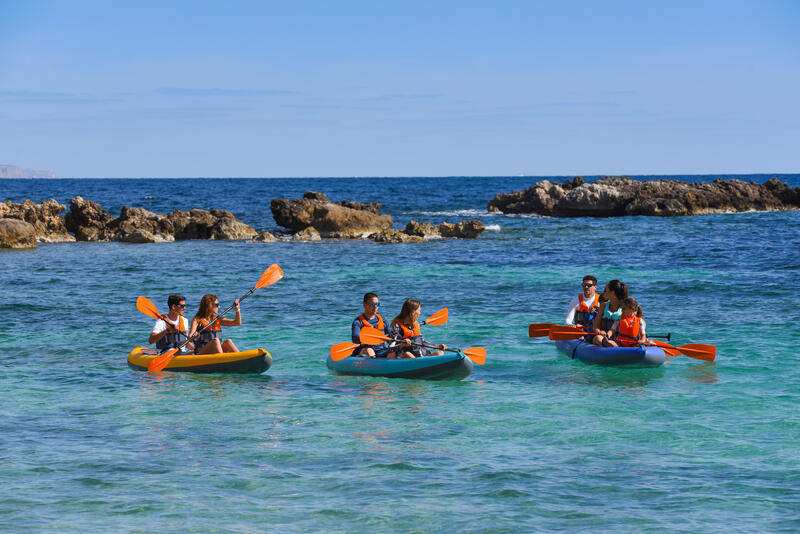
point(532, 441)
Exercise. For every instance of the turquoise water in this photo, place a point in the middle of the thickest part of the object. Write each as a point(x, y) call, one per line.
point(530, 441)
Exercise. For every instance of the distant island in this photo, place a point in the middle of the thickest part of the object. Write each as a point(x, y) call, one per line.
point(12, 171)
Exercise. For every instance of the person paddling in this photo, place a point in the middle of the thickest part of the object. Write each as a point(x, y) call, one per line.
point(209, 341)
point(584, 307)
point(372, 318)
point(406, 328)
point(169, 333)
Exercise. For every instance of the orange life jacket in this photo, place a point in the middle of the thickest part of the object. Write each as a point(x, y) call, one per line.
point(407, 332)
point(586, 313)
point(629, 331)
point(380, 325)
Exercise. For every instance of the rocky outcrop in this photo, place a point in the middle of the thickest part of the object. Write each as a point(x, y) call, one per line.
point(395, 236)
point(470, 229)
point(307, 234)
point(618, 196)
point(343, 220)
point(45, 218)
point(87, 220)
point(16, 233)
point(90, 222)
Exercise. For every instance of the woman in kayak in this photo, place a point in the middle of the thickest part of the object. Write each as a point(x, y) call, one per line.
point(209, 341)
point(405, 327)
point(610, 309)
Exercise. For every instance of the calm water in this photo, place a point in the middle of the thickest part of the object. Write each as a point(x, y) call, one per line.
point(531, 441)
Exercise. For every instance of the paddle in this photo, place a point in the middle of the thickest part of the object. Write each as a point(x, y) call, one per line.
point(373, 336)
point(437, 319)
point(541, 329)
point(693, 350)
point(341, 351)
point(267, 278)
point(146, 306)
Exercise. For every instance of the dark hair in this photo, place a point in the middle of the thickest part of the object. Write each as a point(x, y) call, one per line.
point(619, 289)
point(174, 300)
point(368, 296)
point(591, 278)
point(630, 302)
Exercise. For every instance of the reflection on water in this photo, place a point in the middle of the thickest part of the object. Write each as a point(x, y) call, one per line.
point(622, 379)
point(702, 373)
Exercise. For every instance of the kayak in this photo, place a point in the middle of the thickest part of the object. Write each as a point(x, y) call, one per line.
point(249, 361)
point(578, 349)
point(451, 366)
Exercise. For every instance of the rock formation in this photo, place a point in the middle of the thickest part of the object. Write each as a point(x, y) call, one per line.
point(16, 233)
point(618, 196)
point(44, 218)
point(343, 220)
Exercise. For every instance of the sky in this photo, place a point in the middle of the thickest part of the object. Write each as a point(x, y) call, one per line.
point(406, 88)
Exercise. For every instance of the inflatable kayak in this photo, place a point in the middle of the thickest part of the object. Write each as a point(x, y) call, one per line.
point(451, 366)
point(249, 361)
point(578, 349)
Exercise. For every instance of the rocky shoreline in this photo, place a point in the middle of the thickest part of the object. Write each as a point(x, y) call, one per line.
point(311, 218)
point(620, 196)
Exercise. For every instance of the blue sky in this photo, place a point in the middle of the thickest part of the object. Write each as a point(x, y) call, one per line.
point(406, 88)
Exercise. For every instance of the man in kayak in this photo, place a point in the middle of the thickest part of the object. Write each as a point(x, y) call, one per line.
point(170, 333)
point(372, 318)
point(583, 308)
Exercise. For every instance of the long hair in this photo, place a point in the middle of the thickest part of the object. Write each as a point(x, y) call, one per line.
point(619, 289)
point(409, 307)
point(206, 309)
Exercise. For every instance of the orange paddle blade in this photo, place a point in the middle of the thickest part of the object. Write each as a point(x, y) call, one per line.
point(541, 329)
point(699, 351)
point(372, 336)
point(158, 363)
point(146, 306)
point(476, 354)
point(340, 351)
point(438, 318)
point(270, 276)
point(669, 350)
point(566, 332)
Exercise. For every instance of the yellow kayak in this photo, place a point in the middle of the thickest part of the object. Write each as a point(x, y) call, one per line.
point(248, 361)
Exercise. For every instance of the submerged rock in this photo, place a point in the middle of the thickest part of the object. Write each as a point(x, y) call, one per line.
point(618, 196)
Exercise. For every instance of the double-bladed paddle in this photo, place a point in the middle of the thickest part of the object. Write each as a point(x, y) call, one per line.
point(341, 351)
point(373, 336)
point(698, 351)
point(267, 278)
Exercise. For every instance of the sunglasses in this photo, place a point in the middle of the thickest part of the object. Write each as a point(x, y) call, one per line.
point(373, 304)
point(216, 304)
point(181, 305)
point(587, 285)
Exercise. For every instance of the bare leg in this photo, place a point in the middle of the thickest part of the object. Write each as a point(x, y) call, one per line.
point(212, 347)
point(369, 352)
point(228, 346)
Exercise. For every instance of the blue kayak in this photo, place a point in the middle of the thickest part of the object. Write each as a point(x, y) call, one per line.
point(451, 366)
point(578, 349)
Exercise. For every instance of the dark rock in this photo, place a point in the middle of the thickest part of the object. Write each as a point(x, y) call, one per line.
point(470, 229)
point(395, 236)
point(16, 233)
point(265, 237)
point(372, 207)
point(86, 219)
